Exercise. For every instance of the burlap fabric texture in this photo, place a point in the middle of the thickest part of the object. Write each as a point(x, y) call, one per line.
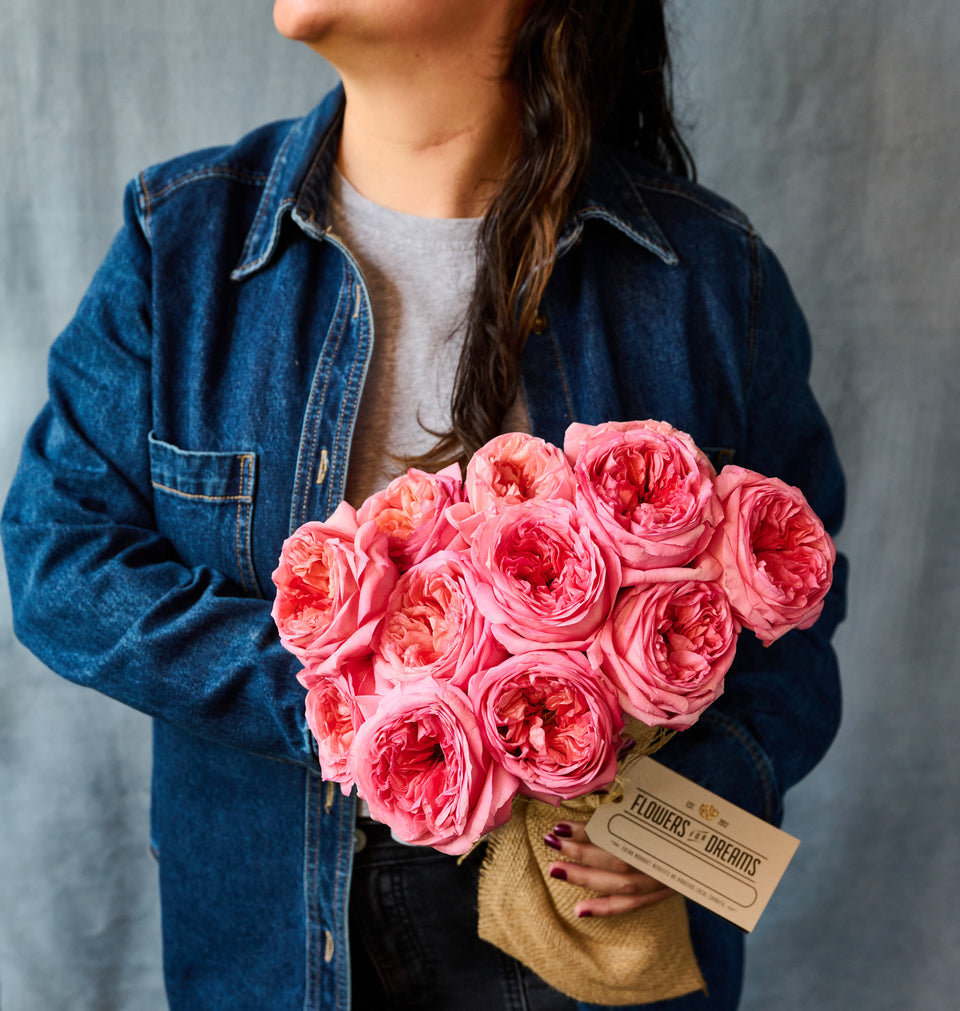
point(632, 958)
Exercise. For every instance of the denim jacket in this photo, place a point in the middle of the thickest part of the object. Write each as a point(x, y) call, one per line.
point(201, 406)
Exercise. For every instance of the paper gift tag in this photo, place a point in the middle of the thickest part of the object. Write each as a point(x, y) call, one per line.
point(707, 849)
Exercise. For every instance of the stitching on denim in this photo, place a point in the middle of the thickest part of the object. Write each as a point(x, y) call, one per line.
point(341, 451)
point(261, 210)
point(326, 386)
point(317, 399)
point(760, 759)
point(663, 187)
point(169, 449)
point(315, 421)
point(210, 172)
point(313, 173)
point(264, 256)
point(250, 488)
point(337, 431)
point(317, 969)
point(202, 498)
point(243, 581)
point(144, 189)
point(563, 378)
point(754, 306)
point(248, 475)
point(309, 893)
point(301, 464)
point(650, 242)
point(343, 835)
point(313, 932)
point(240, 503)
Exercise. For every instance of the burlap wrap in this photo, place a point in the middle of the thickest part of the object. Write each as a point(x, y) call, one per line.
point(632, 958)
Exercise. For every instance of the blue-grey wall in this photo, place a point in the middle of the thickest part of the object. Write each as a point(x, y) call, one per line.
point(834, 127)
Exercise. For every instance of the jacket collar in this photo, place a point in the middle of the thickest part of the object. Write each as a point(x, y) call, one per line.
point(611, 195)
point(297, 183)
point(297, 186)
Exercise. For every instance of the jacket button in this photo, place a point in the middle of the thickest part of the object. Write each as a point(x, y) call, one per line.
point(327, 946)
point(539, 324)
point(323, 466)
point(359, 840)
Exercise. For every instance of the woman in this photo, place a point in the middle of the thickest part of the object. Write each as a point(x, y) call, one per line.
point(220, 385)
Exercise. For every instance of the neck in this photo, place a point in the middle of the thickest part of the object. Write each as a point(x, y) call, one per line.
point(431, 140)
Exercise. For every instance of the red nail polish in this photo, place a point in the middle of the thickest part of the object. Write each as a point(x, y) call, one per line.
point(552, 841)
point(563, 830)
point(586, 912)
point(559, 873)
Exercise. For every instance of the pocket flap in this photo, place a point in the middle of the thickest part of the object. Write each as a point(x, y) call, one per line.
point(214, 477)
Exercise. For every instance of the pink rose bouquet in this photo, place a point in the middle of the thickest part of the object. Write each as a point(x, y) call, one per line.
point(465, 642)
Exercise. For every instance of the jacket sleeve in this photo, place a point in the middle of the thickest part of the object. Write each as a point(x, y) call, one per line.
point(781, 704)
point(98, 594)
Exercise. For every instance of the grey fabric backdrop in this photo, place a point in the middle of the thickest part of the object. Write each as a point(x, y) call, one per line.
point(834, 126)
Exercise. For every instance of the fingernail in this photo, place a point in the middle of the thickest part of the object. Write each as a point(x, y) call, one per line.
point(559, 873)
point(585, 912)
point(552, 841)
point(563, 830)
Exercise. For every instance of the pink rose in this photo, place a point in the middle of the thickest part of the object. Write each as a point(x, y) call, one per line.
point(510, 468)
point(356, 671)
point(667, 647)
point(646, 491)
point(333, 716)
point(551, 721)
point(411, 512)
point(432, 626)
point(420, 764)
point(514, 467)
point(542, 579)
point(776, 557)
point(332, 582)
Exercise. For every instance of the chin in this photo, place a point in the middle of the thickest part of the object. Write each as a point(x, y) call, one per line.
point(302, 20)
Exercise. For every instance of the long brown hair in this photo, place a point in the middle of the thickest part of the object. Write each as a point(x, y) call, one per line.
point(581, 69)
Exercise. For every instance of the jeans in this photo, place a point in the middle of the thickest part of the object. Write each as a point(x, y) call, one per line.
point(413, 936)
point(414, 943)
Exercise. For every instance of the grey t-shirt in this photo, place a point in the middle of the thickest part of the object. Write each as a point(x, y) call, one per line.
point(420, 274)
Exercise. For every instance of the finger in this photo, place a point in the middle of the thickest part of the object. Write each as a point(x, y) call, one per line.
point(612, 905)
point(576, 830)
point(576, 847)
point(607, 882)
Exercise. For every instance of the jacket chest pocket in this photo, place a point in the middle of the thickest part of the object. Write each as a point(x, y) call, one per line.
point(203, 503)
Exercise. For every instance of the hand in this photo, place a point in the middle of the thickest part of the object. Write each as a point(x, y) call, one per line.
point(624, 888)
